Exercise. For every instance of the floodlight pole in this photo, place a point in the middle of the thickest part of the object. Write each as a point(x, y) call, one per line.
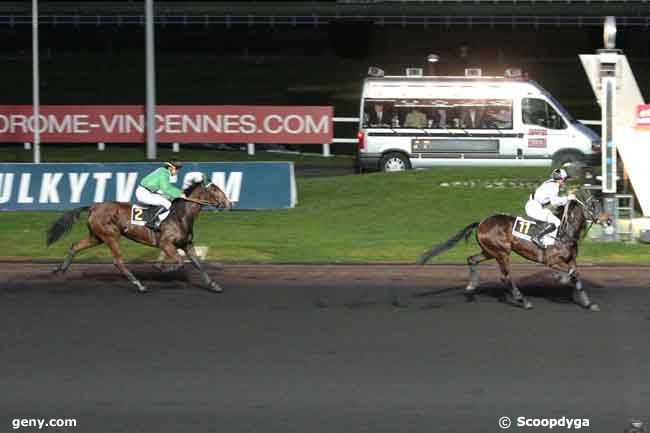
point(35, 84)
point(150, 107)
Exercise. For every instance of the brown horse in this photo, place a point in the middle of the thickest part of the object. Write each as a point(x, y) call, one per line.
point(495, 237)
point(109, 221)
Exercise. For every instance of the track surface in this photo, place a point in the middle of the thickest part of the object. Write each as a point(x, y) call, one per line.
point(268, 356)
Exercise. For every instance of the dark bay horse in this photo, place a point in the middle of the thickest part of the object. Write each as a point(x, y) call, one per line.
point(109, 221)
point(494, 236)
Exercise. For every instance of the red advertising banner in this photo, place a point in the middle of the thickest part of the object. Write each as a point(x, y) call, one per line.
point(174, 123)
point(643, 116)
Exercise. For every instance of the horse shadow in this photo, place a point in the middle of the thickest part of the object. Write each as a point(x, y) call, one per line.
point(550, 286)
point(106, 276)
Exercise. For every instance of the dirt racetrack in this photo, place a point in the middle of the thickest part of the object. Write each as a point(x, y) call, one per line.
point(319, 349)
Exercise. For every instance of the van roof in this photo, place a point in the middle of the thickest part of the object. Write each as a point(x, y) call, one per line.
point(445, 78)
point(462, 81)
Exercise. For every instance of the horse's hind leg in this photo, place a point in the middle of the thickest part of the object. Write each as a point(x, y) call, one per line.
point(89, 242)
point(113, 244)
point(474, 275)
point(514, 296)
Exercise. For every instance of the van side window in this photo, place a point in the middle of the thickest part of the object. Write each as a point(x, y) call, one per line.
point(416, 118)
point(498, 117)
point(438, 113)
point(538, 112)
point(378, 113)
point(480, 113)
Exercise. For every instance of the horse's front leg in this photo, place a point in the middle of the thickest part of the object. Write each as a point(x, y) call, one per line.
point(209, 283)
point(579, 294)
point(176, 261)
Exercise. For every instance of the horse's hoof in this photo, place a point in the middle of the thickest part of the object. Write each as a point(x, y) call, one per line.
point(141, 288)
point(594, 307)
point(517, 302)
point(214, 287)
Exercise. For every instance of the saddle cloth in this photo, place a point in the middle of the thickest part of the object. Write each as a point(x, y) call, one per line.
point(527, 228)
point(141, 214)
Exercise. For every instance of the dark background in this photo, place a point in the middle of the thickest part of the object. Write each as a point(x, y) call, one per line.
point(321, 64)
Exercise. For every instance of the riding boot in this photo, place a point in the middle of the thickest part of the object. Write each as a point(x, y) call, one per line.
point(537, 240)
point(154, 222)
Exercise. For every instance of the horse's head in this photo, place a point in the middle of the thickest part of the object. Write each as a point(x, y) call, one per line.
point(208, 194)
point(592, 210)
point(218, 198)
point(596, 213)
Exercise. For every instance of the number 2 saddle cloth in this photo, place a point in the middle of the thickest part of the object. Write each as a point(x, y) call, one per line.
point(527, 228)
point(141, 214)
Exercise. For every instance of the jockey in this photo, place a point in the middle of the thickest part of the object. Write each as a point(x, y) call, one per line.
point(156, 189)
point(545, 196)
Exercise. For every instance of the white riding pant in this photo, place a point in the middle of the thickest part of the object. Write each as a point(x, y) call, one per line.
point(144, 196)
point(536, 211)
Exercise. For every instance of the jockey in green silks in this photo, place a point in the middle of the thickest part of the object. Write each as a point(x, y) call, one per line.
point(156, 189)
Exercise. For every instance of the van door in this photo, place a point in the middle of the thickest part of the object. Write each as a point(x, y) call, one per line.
point(545, 131)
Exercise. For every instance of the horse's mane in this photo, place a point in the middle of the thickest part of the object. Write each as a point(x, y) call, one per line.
point(178, 205)
point(190, 189)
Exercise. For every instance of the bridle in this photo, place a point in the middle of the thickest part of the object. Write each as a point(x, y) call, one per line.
point(588, 213)
point(203, 202)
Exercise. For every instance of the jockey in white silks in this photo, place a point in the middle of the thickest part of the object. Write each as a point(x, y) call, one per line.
point(546, 196)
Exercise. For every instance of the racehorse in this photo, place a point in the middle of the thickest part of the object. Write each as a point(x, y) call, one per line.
point(495, 237)
point(108, 221)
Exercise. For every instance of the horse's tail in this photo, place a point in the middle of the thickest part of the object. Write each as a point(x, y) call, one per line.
point(440, 248)
point(63, 224)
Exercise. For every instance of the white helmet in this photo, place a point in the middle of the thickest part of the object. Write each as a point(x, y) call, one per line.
point(559, 174)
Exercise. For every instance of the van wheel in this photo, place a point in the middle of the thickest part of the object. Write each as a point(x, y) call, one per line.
point(394, 162)
point(569, 159)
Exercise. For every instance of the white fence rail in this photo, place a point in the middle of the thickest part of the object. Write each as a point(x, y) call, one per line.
point(176, 147)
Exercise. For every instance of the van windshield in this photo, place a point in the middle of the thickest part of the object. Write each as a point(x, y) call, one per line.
point(438, 113)
point(556, 104)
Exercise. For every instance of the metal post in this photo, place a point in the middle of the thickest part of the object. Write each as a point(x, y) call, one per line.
point(176, 147)
point(150, 82)
point(326, 149)
point(101, 146)
point(251, 148)
point(28, 145)
point(608, 58)
point(36, 95)
point(608, 62)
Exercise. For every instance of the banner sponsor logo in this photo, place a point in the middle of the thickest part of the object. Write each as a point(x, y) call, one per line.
point(67, 186)
point(174, 123)
point(643, 116)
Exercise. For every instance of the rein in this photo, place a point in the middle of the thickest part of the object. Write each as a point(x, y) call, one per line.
point(201, 202)
point(590, 216)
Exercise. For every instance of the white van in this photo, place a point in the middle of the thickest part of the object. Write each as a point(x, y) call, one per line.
point(427, 121)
